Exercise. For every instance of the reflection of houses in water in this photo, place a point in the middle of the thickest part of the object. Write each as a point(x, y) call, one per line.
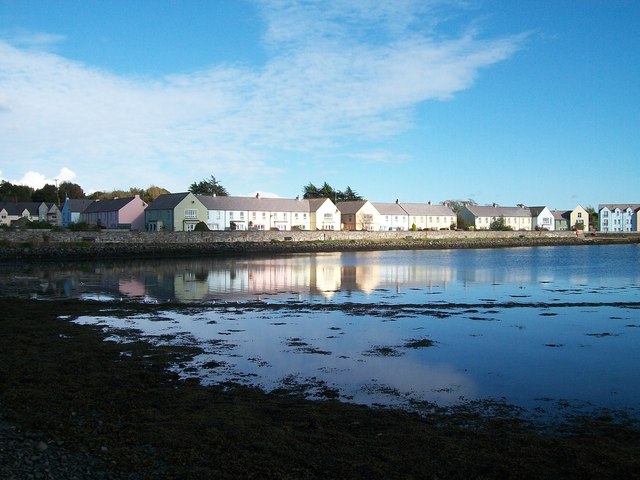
point(131, 287)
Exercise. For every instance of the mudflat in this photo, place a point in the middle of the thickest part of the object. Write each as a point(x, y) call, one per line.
point(72, 402)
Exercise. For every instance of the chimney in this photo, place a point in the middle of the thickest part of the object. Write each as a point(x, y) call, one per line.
point(397, 200)
point(494, 205)
point(429, 202)
point(258, 195)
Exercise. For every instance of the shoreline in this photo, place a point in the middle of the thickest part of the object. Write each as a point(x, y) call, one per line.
point(115, 411)
point(42, 247)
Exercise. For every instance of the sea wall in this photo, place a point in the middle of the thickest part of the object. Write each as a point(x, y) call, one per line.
point(40, 245)
point(129, 237)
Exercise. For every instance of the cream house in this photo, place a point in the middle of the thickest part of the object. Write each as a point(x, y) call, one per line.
point(175, 212)
point(426, 216)
point(579, 219)
point(359, 215)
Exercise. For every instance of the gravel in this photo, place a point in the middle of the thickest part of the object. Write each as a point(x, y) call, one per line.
point(27, 455)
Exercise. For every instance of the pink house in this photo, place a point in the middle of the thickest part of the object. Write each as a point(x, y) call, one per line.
point(117, 213)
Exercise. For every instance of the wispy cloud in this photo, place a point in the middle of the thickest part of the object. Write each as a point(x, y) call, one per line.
point(357, 77)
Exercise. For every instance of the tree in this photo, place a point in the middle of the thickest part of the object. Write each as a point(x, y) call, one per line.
point(310, 191)
point(348, 195)
point(458, 205)
point(500, 224)
point(70, 190)
point(594, 218)
point(47, 194)
point(208, 187)
point(14, 193)
point(327, 191)
point(153, 192)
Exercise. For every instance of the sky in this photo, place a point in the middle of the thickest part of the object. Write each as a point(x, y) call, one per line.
point(534, 102)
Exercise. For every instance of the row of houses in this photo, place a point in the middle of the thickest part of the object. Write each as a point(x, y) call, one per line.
point(183, 211)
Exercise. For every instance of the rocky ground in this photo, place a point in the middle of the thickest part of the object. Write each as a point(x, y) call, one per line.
point(75, 406)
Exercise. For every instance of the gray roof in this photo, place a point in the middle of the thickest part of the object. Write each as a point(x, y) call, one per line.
point(16, 208)
point(77, 204)
point(535, 211)
point(561, 214)
point(498, 211)
point(351, 206)
point(258, 204)
point(108, 205)
point(168, 201)
point(621, 206)
point(427, 209)
point(389, 208)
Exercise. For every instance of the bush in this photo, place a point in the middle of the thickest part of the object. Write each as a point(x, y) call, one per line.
point(500, 224)
point(38, 225)
point(82, 227)
point(201, 227)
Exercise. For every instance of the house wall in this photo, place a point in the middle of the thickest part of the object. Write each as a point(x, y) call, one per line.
point(132, 214)
point(367, 218)
point(188, 213)
point(326, 217)
point(159, 220)
point(579, 216)
point(437, 222)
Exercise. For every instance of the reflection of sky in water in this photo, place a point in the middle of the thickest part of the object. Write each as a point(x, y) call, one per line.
point(583, 354)
point(561, 274)
point(484, 308)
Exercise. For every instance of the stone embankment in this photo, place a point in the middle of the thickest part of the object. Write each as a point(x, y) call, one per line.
point(54, 245)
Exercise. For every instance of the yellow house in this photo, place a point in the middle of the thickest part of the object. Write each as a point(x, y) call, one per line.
point(579, 219)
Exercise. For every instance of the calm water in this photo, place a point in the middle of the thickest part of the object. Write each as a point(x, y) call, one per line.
point(539, 327)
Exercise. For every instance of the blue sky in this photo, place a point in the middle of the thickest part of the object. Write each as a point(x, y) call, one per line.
point(534, 101)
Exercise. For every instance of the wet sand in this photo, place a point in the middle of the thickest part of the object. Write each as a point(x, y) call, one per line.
point(118, 403)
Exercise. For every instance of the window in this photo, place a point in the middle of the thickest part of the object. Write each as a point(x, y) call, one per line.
point(264, 215)
point(579, 214)
point(241, 215)
point(328, 217)
point(253, 215)
point(190, 213)
point(605, 213)
point(295, 216)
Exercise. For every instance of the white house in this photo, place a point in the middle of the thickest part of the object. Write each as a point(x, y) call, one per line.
point(261, 213)
point(392, 216)
point(542, 218)
point(481, 217)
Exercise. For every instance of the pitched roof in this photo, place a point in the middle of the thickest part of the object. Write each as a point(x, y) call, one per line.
point(108, 205)
point(621, 206)
point(535, 211)
point(16, 208)
point(167, 201)
point(561, 214)
point(77, 204)
point(498, 211)
point(427, 209)
point(388, 208)
point(351, 206)
point(255, 204)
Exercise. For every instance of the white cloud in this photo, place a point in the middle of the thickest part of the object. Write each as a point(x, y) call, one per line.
point(318, 92)
point(37, 180)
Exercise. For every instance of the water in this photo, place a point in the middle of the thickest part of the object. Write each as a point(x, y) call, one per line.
point(541, 328)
